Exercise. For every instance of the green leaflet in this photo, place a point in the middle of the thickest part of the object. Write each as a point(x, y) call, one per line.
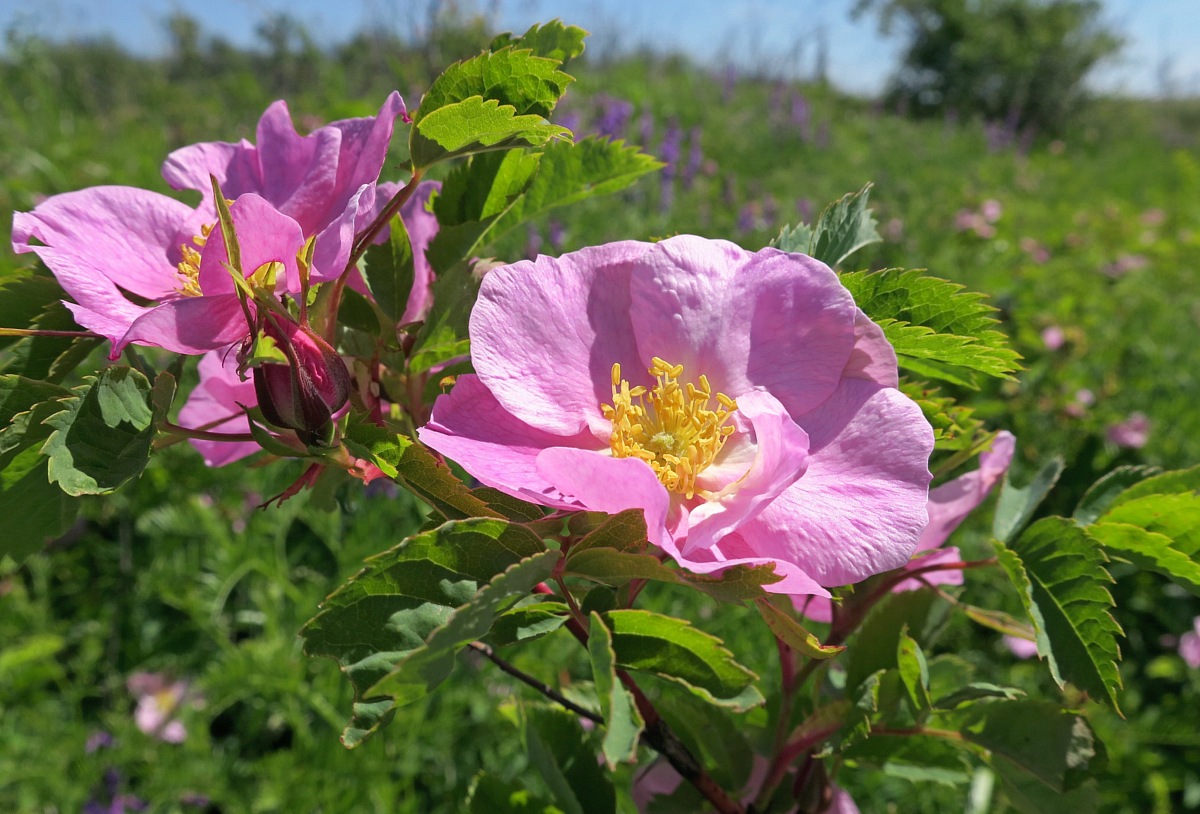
point(673, 649)
point(623, 722)
point(1059, 573)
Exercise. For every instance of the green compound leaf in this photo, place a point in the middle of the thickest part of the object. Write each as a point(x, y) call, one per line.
point(411, 463)
point(1168, 483)
point(623, 723)
point(512, 76)
point(1101, 494)
point(398, 623)
point(1059, 573)
point(1157, 532)
point(673, 649)
point(420, 672)
point(102, 437)
point(915, 758)
point(477, 125)
point(938, 330)
point(552, 40)
point(24, 296)
point(525, 622)
point(1016, 505)
point(623, 531)
point(914, 671)
point(954, 424)
point(492, 795)
point(49, 358)
point(572, 172)
point(24, 405)
point(1044, 740)
point(389, 271)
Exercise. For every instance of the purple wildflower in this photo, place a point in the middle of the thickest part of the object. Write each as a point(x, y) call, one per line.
point(1132, 433)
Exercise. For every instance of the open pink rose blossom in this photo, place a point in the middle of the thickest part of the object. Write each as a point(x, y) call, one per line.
point(325, 181)
point(949, 506)
point(741, 400)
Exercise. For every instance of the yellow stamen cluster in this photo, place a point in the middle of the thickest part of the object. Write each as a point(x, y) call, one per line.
point(189, 266)
point(670, 426)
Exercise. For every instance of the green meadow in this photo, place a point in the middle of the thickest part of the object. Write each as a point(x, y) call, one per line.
point(1087, 242)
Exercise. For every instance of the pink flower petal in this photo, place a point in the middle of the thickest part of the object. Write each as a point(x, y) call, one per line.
point(263, 235)
point(470, 427)
point(189, 325)
point(860, 507)
point(769, 319)
point(215, 405)
point(780, 452)
point(546, 333)
point(733, 549)
point(873, 357)
point(601, 483)
point(950, 503)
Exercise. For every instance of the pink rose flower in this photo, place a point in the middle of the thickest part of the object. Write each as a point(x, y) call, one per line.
point(324, 181)
point(1189, 645)
point(158, 700)
point(105, 243)
point(1019, 647)
point(1132, 433)
point(949, 506)
point(740, 400)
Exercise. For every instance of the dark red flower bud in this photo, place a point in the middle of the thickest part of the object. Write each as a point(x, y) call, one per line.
point(306, 392)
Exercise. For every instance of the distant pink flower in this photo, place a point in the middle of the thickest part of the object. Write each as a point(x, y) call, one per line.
point(104, 244)
point(216, 404)
point(1132, 433)
point(1053, 338)
point(158, 701)
point(1036, 251)
point(1125, 264)
point(1020, 647)
point(741, 400)
point(1189, 645)
point(949, 505)
point(324, 181)
point(990, 210)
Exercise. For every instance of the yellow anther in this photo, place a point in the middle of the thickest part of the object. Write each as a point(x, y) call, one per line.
point(188, 269)
point(669, 426)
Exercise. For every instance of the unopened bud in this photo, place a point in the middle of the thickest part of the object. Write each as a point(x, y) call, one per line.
point(304, 393)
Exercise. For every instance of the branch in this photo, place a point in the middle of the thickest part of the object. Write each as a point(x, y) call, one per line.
point(544, 689)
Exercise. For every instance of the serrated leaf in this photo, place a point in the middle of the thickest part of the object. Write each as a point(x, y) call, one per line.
point(1101, 494)
point(1054, 745)
point(24, 404)
point(423, 670)
point(1059, 574)
point(1029, 795)
point(1016, 505)
point(49, 358)
point(403, 596)
point(1157, 532)
point(789, 630)
point(552, 40)
point(796, 239)
point(875, 645)
point(35, 510)
point(389, 271)
point(997, 620)
point(559, 749)
point(673, 649)
point(1168, 483)
point(954, 424)
point(509, 506)
point(24, 296)
point(102, 436)
point(412, 464)
point(623, 722)
point(610, 566)
point(623, 531)
point(977, 691)
point(527, 622)
point(572, 172)
point(845, 226)
point(934, 324)
point(477, 125)
point(738, 583)
point(512, 76)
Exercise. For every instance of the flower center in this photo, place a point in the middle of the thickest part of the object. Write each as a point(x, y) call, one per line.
point(189, 267)
point(669, 426)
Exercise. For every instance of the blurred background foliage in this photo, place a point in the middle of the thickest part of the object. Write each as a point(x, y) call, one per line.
point(1082, 221)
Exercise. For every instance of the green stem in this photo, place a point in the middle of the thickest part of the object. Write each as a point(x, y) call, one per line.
point(38, 332)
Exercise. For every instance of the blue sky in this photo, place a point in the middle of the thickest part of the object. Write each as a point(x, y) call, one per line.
point(778, 35)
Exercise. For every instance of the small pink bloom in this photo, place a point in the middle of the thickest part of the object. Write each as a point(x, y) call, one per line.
point(990, 210)
point(800, 451)
point(1125, 264)
point(1053, 338)
point(216, 404)
point(1019, 647)
point(949, 505)
point(106, 243)
point(1132, 433)
point(324, 181)
point(158, 700)
point(965, 220)
point(1189, 645)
